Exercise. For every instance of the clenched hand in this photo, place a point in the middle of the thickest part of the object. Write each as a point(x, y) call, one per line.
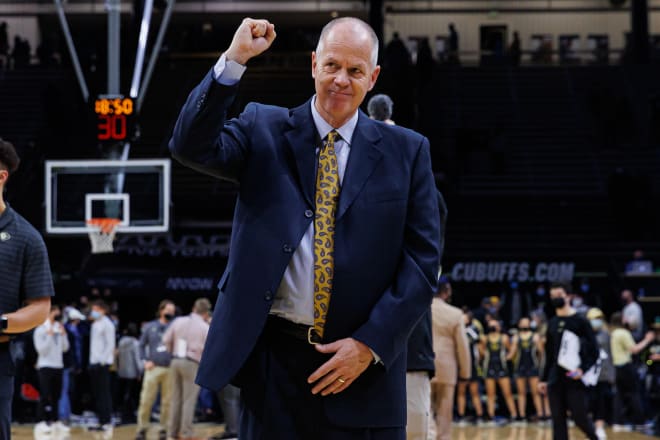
point(251, 38)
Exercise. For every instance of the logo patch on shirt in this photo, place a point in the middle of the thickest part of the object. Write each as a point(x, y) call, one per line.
point(4, 236)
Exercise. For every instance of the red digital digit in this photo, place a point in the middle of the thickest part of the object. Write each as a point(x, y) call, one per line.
point(104, 127)
point(119, 127)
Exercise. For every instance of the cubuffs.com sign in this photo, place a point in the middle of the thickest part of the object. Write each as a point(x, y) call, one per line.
point(512, 271)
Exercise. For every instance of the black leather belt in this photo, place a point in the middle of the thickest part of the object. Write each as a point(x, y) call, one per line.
point(300, 332)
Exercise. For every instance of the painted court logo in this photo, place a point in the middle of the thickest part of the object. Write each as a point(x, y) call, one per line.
point(4, 236)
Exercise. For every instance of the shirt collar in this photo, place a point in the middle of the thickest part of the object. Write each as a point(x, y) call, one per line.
point(323, 128)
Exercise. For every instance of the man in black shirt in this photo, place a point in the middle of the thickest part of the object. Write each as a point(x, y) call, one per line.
point(25, 280)
point(565, 389)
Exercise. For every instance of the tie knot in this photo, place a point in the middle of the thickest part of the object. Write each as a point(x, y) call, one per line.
point(332, 137)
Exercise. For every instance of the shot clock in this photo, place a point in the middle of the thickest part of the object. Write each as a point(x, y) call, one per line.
point(115, 117)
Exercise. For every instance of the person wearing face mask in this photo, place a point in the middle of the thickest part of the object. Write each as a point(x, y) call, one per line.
point(157, 361)
point(102, 343)
point(50, 342)
point(565, 389)
point(495, 350)
point(601, 396)
point(528, 348)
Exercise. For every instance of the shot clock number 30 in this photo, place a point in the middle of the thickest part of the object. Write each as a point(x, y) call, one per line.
point(114, 115)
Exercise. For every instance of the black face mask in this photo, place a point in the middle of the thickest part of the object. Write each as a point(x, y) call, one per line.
point(492, 329)
point(57, 317)
point(558, 303)
point(524, 329)
point(168, 316)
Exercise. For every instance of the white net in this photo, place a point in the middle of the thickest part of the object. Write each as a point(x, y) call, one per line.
point(102, 233)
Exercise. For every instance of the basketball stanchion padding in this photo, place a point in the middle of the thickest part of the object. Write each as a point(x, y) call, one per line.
point(102, 233)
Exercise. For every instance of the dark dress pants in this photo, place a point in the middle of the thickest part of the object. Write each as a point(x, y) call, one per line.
point(276, 400)
point(569, 395)
point(99, 376)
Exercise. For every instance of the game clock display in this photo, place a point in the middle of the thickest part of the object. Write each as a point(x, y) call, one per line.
point(114, 118)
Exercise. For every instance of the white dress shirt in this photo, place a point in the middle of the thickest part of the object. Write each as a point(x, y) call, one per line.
point(102, 342)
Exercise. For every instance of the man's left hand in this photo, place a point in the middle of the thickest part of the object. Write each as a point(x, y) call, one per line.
point(351, 358)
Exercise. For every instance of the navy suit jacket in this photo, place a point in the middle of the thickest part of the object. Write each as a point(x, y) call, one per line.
point(386, 238)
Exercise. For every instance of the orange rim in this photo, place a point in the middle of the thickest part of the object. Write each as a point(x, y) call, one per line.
point(105, 225)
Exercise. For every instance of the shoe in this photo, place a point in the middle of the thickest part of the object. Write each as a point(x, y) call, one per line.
point(42, 428)
point(479, 421)
point(621, 428)
point(162, 435)
point(141, 435)
point(600, 433)
point(461, 422)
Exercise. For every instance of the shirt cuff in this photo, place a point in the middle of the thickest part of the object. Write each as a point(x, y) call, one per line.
point(228, 72)
point(376, 357)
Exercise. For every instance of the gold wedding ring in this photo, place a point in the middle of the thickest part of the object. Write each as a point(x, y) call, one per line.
point(341, 380)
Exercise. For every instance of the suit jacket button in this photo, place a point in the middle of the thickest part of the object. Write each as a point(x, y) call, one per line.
point(286, 248)
point(309, 213)
point(268, 296)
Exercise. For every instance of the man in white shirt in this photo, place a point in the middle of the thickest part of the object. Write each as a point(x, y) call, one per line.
point(101, 356)
point(633, 316)
point(50, 342)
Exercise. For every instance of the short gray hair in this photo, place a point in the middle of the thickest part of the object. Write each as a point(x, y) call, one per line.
point(355, 21)
point(380, 107)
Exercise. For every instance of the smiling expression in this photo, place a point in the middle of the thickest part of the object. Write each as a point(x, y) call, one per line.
point(343, 72)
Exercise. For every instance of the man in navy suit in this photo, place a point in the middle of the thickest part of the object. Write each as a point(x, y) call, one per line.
point(332, 206)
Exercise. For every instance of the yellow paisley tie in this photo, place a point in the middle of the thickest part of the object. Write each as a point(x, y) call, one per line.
point(327, 195)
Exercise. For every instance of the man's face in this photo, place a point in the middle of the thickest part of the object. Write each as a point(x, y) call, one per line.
point(343, 73)
point(168, 310)
point(626, 296)
point(558, 293)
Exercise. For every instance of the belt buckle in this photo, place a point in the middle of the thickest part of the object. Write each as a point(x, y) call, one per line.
point(313, 337)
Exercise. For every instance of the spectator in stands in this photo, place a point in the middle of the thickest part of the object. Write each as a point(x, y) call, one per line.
point(515, 51)
point(397, 57)
point(452, 358)
point(496, 351)
point(602, 394)
point(156, 370)
point(101, 358)
point(528, 349)
point(474, 332)
point(514, 305)
point(424, 63)
point(627, 384)
point(129, 370)
point(632, 315)
point(21, 53)
point(185, 340)
point(380, 108)
point(452, 53)
point(50, 342)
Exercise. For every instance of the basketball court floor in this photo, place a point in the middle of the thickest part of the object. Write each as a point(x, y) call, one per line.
point(531, 432)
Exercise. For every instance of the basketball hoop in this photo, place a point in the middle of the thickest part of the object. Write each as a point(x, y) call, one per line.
point(102, 233)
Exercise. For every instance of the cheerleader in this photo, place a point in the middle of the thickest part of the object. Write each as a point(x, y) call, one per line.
point(495, 350)
point(528, 348)
point(474, 331)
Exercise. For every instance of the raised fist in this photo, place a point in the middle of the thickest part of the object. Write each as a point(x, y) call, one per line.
point(251, 38)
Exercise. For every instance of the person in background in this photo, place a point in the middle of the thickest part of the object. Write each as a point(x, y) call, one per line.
point(473, 332)
point(452, 358)
point(102, 343)
point(380, 108)
point(632, 314)
point(129, 370)
point(185, 340)
point(50, 342)
point(26, 283)
point(496, 350)
point(156, 379)
point(71, 403)
point(652, 358)
point(453, 57)
point(515, 50)
point(602, 394)
point(565, 389)
point(528, 349)
point(627, 384)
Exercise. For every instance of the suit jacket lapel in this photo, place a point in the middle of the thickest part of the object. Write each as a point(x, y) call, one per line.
point(362, 161)
point(302, 138)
